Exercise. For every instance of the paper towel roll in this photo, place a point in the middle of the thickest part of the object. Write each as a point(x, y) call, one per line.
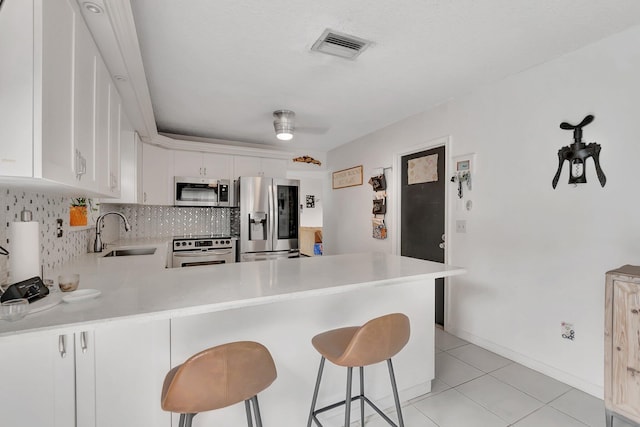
point(24, 250)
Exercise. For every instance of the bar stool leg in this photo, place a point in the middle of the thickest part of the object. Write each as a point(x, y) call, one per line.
point(185, 420)
point(395, 393)
point(347, 415)
point(315, 392)
point(361, 396)
point(256, 411)
point(247, 409)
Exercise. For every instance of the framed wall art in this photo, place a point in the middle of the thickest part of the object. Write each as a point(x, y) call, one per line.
point(347, 177)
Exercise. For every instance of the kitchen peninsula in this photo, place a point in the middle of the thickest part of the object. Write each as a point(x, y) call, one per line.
point(102, 361)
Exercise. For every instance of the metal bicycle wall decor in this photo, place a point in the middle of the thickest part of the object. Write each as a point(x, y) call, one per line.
point(577, 154)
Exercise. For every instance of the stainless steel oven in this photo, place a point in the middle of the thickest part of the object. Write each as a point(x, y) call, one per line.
point(193, 251)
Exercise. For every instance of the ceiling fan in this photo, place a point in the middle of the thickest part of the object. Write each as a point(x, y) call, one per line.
point(284, 125)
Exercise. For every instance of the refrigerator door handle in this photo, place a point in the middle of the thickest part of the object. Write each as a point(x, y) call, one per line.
point(272, 211)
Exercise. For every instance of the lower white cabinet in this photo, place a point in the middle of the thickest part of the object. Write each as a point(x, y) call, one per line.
point(110, 376)
point(132, 360)
point(37, 385)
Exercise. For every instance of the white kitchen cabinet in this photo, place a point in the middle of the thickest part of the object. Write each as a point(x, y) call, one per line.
point(37, 387)
point(17, 154)
point(130, 165)
point(157, 175)
point(43, 375)
point(108, 132)
point(193, 163)
point(259, 166)
point(85, 112)
point(50, 104)
point(54, 114)
point(107, 377)
point(132, 360)
point(115, 126)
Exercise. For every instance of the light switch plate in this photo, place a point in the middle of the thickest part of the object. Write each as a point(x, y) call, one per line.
point(461, 226)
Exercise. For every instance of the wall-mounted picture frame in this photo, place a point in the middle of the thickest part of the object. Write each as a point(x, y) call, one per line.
point(310, 201)
point(347, 177)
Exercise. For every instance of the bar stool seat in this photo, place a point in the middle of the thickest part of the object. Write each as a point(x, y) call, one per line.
point(219, 377)
point(358, 346)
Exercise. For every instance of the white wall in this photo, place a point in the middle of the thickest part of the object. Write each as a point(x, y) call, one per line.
point(311, 183)
point(535, 256)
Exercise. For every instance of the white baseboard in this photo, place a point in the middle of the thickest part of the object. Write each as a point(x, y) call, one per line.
point(557, 374)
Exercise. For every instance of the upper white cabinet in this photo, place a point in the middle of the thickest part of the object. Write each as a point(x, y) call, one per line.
point(115, 133)
point(54, 47)
point(85, 112)
point(130, 165)
point(259, 166)
point(55, 121)
point(17, 154)
point(157, 175)
point(192, 163)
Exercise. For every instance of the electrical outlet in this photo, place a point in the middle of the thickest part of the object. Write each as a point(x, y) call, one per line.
point(59, 227)
point(461, 226)
point(567, 331)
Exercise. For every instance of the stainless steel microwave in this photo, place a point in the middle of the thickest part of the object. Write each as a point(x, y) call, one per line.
point(201, 191)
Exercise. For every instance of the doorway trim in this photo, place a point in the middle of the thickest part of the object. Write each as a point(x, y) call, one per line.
point(396, 222)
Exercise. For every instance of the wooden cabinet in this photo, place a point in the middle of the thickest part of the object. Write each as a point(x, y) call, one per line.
point(622, 347)
point(193, 163)
point(259, 166)
point(157, 175)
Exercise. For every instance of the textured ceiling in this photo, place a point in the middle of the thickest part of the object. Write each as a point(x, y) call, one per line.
point(220, 68)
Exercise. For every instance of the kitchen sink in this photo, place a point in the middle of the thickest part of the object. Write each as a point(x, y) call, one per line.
point(130, 252)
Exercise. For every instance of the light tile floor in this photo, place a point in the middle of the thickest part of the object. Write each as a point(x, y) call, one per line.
point(477, 388)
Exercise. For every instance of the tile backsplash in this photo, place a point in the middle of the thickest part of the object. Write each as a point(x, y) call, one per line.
point(167, 221)
point(45, 208)
point(146, 222)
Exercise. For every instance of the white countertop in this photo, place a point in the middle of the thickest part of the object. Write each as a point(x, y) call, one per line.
point(139, 286)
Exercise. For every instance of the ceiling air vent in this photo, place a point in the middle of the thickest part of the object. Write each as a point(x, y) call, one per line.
point(339, 44)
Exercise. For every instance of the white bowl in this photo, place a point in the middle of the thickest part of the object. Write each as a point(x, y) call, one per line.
point(68, 282)
point(14, 309)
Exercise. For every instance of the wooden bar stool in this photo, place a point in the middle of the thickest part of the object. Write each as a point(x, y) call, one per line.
point(377, 340)
point(219, 377)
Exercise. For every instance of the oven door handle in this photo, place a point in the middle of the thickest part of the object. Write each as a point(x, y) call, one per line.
point(202, 253)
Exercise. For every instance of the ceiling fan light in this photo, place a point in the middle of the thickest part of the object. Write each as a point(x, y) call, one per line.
point(284, 136)
point(283, 124)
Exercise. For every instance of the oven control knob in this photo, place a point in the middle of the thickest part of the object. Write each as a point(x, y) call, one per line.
point(227, 242)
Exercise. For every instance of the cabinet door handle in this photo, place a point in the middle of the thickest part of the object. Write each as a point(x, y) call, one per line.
point(62, 345)
point(205, 171)
point(83, 341)
point(144, 197)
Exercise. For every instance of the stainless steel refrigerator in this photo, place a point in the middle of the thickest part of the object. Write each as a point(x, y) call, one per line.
point(269, 218)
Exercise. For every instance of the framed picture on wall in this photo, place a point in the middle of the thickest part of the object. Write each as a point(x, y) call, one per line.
point(347, 177)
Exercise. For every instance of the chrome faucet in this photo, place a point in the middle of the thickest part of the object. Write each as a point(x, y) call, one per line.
point(97, 245)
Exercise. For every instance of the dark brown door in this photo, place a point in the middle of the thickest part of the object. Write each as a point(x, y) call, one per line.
point(422, 216)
